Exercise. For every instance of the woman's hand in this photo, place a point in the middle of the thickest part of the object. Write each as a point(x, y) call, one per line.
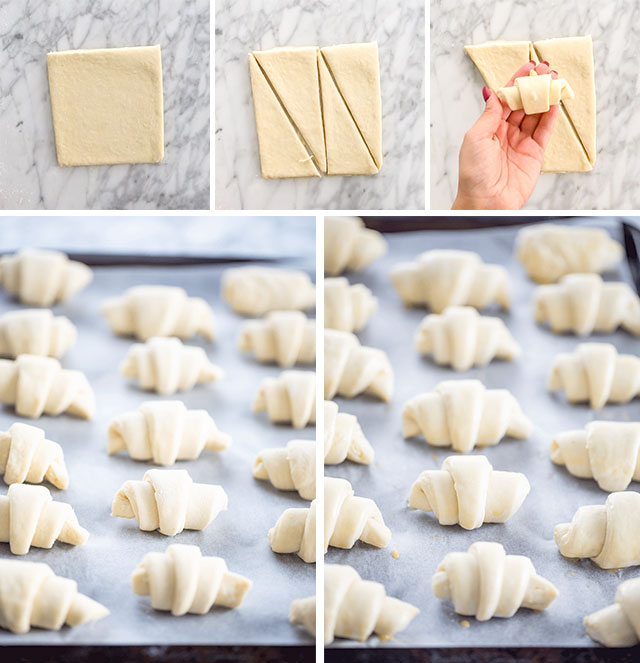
point(501, 155)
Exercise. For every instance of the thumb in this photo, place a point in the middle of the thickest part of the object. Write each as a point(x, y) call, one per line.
point(488, 123)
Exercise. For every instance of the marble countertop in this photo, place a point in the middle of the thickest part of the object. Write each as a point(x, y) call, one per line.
point(456, 92)
point(243, 26)
point(29, 175)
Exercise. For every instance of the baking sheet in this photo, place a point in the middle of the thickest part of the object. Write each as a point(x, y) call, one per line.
point(102, 567)
point(555, 495)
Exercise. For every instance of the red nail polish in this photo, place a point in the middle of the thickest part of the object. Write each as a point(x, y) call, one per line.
point(545, 62)
point(553, 71)
point(485, 93)
point(532, 61)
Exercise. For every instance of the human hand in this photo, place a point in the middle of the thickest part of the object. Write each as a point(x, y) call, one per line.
point(501, 155)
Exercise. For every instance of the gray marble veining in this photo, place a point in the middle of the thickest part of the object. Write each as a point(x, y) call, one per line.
point(456, 97)
point(246, 25)
point(29, 175)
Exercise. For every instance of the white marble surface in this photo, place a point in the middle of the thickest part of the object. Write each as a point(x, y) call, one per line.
point(456, 92)
point(246, 25)
point(29, 175)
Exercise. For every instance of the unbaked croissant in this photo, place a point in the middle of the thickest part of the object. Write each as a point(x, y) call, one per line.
point(606, 451)
point(166, 366)
point(159, 310)
point(351, 369)
point(343, 438)
point(353, 608)
point(485, 582)
point(165, 431)
point(467, 491)
point(347, 307)
point(255, 291)
point(447, 277)
point(462, 338)
point(35, 332)
point(30, 517)
point(39, 385)
point(349, 246)
point(284, 337)
point(464, 414)
point(596, 373)
point(27, 457)
point(584, 303)
point(549, 251)
point(289, 398)
point(182, 580)
point(169, 501)
point(42, 278)
point(290, 468)
point(32, 595)
point(606, 533)
point(535, 93)
point(618, 625)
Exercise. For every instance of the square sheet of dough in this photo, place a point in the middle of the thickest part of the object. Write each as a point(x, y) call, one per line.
point(107, 105)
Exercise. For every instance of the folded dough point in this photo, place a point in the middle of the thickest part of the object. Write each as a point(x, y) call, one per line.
point(618, 625)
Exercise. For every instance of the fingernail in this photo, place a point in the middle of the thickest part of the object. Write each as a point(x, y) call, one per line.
point(486, 93)
point(553, 71)
point(532, 61)
point(545, 62)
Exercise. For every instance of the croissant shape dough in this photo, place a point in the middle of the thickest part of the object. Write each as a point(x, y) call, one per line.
point(349, 246)
point(618, 625)
point(286, 337)
point(165, 431)
point(255, 291)
point(467, 491)
point(549, 251)
point(351, 369)
point(289, 398)
point(343, 438)
point(30, 517)
point(353, 608)
point(166, 366)
point(485, 582)
point(42, 278)
point(159, 310)
point(606, 533)
point(182, 581)
point(35, 332)
point(535, 93)
point(27, 457)
point(32, 595)
point(39, 385)
point(463, 338)
point(445, 277)
point(347, 307)
point(169, 501)
point(290, 468)
point(464, 414)
point(596, 373)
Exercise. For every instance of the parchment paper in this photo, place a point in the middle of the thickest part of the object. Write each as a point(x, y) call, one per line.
point(555, 495)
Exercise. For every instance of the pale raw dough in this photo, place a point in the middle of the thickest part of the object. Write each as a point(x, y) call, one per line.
point(462, 338)
point(448, 277)
point(169, 501)
point(39, 385)
point(165, 365)
point(485, 582)
point(42, 278)
point(181, 580)
point(353, 608)
point(535, 93)
point(343, 438)
point(35, 332)
point(618, 625)
point(26, 456)
point(347, 307)
point(30, 517)
point(289, 468)
point(606, 451)
point(32, 595)
point(349, 246)
point(107, 105)
point(159, 310)
point(467, 491)
point(605, 533)
point(597, 374)
point(289, 398)
point(464, 414)
point(165, 431)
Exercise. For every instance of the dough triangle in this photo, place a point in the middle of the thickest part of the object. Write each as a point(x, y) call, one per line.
point(293, 73)
point(347, 153)
point(282, 153)
point(356, 70)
